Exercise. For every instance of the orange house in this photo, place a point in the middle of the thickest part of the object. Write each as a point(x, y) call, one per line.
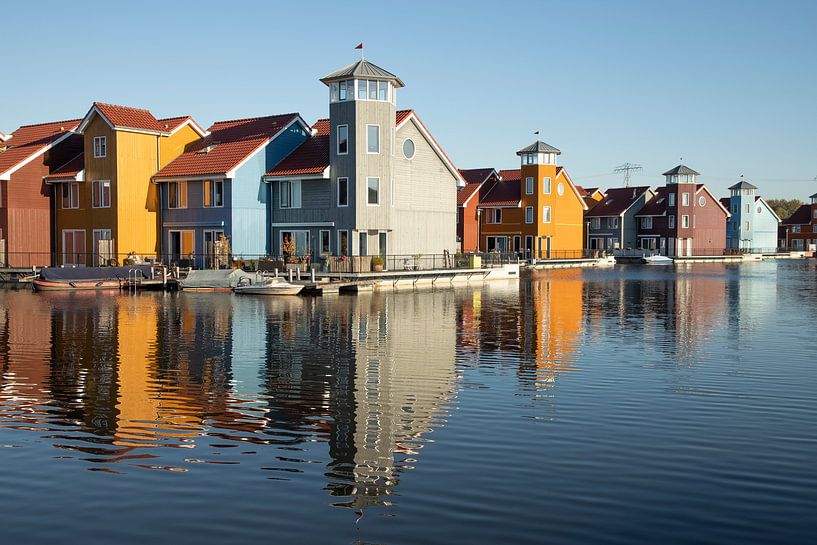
point(536, 211)
point(478, 181)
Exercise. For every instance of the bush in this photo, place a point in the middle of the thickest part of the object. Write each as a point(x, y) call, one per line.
point(377, 260)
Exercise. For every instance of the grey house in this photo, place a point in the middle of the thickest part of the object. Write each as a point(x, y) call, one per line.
point(370, 180)
point(611, 224)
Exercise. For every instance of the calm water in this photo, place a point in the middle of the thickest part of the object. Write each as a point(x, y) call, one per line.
point(635, 405)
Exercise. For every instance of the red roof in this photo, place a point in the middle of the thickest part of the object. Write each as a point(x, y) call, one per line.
point(31, 139)
point(227, 145)
point(311, 157)
point(321, 127)
point(725, 202)
point(801, 216)
point(617, 200)
point(475, 175)
point(504, 193)
point(512, 174)
point(401, 115)
point(467, 192)
point(657, 206)
point(130, 118)
point(69, 170)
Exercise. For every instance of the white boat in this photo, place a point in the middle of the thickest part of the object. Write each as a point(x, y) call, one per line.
point(657, 260)
point(267, 286)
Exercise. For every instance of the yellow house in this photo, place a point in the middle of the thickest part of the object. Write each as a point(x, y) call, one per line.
point(110, 208)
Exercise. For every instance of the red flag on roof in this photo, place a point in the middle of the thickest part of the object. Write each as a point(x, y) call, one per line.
point(359, 46)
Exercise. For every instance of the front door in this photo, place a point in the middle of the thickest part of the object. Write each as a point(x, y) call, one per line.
point(181, 247)
point(528, 247)
point(547, 247)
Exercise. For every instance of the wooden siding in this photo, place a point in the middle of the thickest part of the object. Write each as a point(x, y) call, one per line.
point(135, 196)
point(174, 145)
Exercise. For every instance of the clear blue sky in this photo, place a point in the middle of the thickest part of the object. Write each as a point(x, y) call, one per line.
point(730, 86)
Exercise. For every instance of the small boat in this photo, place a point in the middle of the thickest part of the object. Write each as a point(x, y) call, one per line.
point(267, 286)
point(87, 278)
point(657, 260)
point(212, 280)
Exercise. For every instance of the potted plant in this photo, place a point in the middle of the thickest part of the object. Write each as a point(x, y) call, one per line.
point(377, 263)
point(417, 261)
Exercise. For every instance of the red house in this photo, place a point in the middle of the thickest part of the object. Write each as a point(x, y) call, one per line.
point(801, 227)
point(27, 156)
point(684, 218)
point(478, 182)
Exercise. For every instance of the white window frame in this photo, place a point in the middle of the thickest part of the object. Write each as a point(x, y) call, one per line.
point(546, 185)
point(529, 185)
point(100, 147)
point(595, 223)
point(97, 187)
point(337, 144)
point(181, 189)
point(684, 199)
point(293, 189)
point(348, 242)
point(72, 205)
point(212, 191)
point(546, 214)
point(347, 192)
point(646, 222)
point(94, 240)
point(795, 228)
point(494, 216)
point(368, 142)
point(328, 234)
point(671, 199)
point(84, 255)
point(368, 179)
point(528, 214)
point(685, 221)
point(671, 222)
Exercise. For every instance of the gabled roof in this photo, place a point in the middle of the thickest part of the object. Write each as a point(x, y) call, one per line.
point(657, 206)
point(477, 175)
point(4, 137)
point(311, 157)
point(702, 187)
point(227, 146)
point(617, 201)
point(813, 196)
point(560, 171)
point(504, 193)
point(801, 216)
point(30, 141)
point(404, 116)
point(680, 169)
point(743, 185)
point(71, 171)
point(538, 147)
point(465, 194)
point(173, 124)
point(761, 199)
point(124, 118)
point(725, 201)
point(510, 174)
point(362, 69)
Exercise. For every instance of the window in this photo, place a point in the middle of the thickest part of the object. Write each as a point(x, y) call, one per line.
point(177, 195)
point(101, 193)
point(734, 209)
point(528, 214)
point(343, 139)
point(343, 191)
point(746, 226)
point(494, 215)
point(701, 201)
point(814, 228)
point(372, 138)
point(671, 200)
point(595, 223)
point(684, 199)
point(100, 146)
point(815, 214)
point(373, 191)
point(363, 246)
point(324, 241)
point(529, 159)
point(382, 90)
point(73, 247)
point(408, 148)
point(684, 222)
point(343, 242)
point(103, 247)
point(646, 223)
point(560, 189)
point(290, 196)
point(213, 193)
point(671, 222)
point(361, 89)
point(346, 89)
point(614, 223)
point(546, 214)
point(795, 228)
point(546, 184)
point(70, 195)
point(759, 210)
point(529, 185)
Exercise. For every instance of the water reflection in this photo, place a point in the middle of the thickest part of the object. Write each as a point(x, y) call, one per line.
point(346, 389)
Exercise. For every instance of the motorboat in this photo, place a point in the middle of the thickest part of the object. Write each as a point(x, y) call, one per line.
point(87, 278)
point(657, 260)
point(267, 286)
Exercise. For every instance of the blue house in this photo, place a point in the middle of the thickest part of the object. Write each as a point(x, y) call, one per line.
point(214, 191)
point(753, 224)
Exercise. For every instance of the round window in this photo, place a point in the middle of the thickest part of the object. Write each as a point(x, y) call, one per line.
point(759, 210)
point(560, 189)
point(408, 148)
point(701, 201)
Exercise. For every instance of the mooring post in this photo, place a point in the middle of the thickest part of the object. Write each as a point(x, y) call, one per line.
point(290, 275)
point(312, 275)
point(276, 272)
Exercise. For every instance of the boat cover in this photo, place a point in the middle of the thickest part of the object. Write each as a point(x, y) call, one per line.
point(223, 278)
point(73, 274)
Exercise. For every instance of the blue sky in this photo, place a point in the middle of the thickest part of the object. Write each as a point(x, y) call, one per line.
point(730, 86)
